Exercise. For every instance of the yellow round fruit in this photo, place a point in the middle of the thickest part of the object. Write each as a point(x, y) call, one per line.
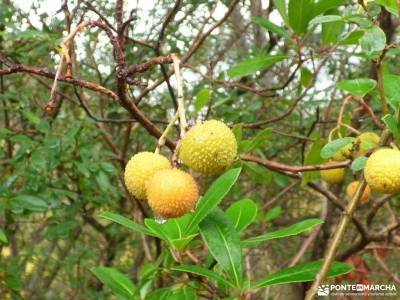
point(332, 176)
point(140, 168)
point(365, 142)
point(208, 148)
point(171, 193)
point(382, 171)
point(351, 189)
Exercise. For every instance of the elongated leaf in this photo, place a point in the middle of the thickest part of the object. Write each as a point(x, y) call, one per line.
point(267, 24)
point(223, 243)
point(301, 273)
point(323, 5)
point(29, 202)
point(281, 7)
point(359, 87)
point(242, 213)
point(212, 198)
point(202, 272)
point(125, 222)
point(253, 65)
point(284, 232)
point(300, 13)
point(116, 281)
point(325, 19)
point(334, 146)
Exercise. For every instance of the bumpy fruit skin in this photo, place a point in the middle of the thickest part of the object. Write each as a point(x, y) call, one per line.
point(172, 193)
point(208, 148)
point(382, 171)
point(364, 142)
point(332, 176)
point(140, 168)
point(351, 189)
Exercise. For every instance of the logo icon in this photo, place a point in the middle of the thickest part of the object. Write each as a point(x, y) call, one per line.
point(323, 290)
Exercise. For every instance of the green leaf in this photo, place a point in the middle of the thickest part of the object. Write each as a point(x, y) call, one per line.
point(303, 272)
point(284, 232)
point(116, 281)
point(242, 213)
point(202, 272)
point(330, 32)
point(212, 198)
point(125, 222)
point(258, 141)
point(253, 65)
point(333, 147)
point(390, 5)
point(257, 173)
point(374, 40)
point(359, 163)
point(358, 87)
point(305, 76)
point(392, 125)
point(312, 157)
point(323, 5)
point(300, 12)
point(31, 117)
point(177, 292)
point(325, 19)
point(281, 7)
point(3, 237)
point(237, 131)
point(172, 231)
point(223, 243)
point(391, 84)
point(273, 213)
point(29, 202)
point(268, 25)
point(202, 99)
point(352, 38)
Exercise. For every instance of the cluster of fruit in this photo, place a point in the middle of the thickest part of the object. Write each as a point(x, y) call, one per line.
point(207, 148)
point(381, 172)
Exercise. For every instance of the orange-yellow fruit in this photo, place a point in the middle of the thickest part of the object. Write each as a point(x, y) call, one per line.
point(332, 176)
point(171, 193)
point(351, 189)
point(140, 168)
point(382, 171)
point(208, 148)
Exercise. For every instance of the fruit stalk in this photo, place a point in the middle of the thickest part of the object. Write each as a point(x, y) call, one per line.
point(163, 137)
